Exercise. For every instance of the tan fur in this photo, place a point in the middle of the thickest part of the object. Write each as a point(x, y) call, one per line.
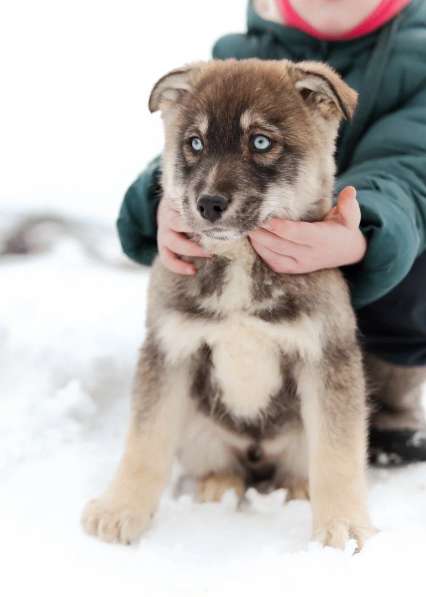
point(297, 490)
point(213, 487)
point(232, 351)
point(326, 83)
point(127, 506)
point(336, 451)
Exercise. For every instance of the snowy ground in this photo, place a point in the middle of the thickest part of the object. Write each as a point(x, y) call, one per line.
point(75, 132)
point(69, 333)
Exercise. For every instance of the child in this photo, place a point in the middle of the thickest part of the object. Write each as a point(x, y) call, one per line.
point(379, 47)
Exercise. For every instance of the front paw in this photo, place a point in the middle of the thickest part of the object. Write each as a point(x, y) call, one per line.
point(338, 532)
point(114, 521)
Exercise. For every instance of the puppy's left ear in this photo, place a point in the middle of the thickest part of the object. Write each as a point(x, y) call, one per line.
point(171, 87)
point(322, 88)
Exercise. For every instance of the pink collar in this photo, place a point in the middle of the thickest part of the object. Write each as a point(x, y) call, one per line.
point(383, 13)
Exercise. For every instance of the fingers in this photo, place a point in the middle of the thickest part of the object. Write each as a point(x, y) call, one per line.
point(347, 208)
point(175, 222)
point(170, 218)
point(177, 243)
point(172, 243)
point(279, 245)
point(282, 264)
point(302, 233)
point(174, 264)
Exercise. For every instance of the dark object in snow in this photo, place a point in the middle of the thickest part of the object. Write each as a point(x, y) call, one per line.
point(34, 234)
point(394, 447)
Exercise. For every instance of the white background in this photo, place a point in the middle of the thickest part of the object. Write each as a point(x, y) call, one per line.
point(75, 77)
point(74, 133)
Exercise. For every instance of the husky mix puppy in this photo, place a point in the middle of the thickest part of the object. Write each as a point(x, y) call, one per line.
point(246, 375)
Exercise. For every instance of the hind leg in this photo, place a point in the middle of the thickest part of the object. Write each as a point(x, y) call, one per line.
point(206, 456)
point(297, 489)
point(213, 487)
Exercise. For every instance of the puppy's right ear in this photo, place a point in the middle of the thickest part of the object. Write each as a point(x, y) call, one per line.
point(323, 89)
point(170, 88)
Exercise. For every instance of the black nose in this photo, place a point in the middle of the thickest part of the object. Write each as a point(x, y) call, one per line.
point(211, 207)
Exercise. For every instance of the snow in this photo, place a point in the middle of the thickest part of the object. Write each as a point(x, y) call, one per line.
point(69, 334)
point(75, 132)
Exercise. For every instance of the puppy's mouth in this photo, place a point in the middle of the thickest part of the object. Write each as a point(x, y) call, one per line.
point(221, 233)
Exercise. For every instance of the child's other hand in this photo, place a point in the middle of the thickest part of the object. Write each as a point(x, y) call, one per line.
point(172, 242)
point(302, 247)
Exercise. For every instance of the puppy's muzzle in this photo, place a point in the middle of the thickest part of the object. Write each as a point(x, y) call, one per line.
point(211, 207)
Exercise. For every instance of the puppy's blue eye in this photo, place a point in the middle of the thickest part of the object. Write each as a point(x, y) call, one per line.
point(261, 143)
point(196, 144)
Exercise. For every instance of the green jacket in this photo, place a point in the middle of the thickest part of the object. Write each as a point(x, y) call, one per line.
point(382, 152)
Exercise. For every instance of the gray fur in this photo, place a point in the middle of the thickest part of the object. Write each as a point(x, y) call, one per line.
point(248, 376)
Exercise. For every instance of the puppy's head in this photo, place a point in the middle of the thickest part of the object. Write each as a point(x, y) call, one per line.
point(248, 140)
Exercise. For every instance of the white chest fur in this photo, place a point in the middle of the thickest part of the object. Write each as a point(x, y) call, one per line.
point(246, 366)
point(246, 351)
point(246, 362)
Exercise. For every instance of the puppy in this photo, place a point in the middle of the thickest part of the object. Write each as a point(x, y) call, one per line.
point(246, 375)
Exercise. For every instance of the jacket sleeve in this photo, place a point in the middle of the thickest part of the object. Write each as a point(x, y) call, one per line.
point(136, 224)
point(388, 169)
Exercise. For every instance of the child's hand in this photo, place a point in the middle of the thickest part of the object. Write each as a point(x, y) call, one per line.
point(302, 247)
point(172, 242)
